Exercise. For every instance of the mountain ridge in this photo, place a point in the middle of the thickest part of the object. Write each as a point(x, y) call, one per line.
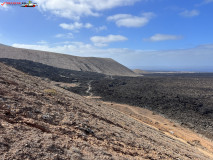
point(106, 66)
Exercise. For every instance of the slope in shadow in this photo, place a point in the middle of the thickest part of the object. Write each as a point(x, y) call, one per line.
point(56, 74)
point(106, 66)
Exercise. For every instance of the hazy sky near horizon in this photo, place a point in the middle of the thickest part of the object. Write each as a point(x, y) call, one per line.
point(170, 33)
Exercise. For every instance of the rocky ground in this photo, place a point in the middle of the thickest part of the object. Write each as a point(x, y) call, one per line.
point(42, 121)
point(169, 127)
point(184, 98)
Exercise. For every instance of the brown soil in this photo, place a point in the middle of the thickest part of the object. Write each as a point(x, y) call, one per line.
point(41, 121)
point(64, 85)
point(169, 127)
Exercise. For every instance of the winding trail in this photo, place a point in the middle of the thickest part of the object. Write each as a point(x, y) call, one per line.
point(88, 91)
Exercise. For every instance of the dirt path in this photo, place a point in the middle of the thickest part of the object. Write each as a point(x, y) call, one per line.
point(39, 120)
point(158, 122)
point(166, 126)
point(88, 91)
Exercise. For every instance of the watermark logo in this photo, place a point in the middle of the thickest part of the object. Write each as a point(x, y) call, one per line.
point(22, 4)
point(30, 4)
point(3, 4)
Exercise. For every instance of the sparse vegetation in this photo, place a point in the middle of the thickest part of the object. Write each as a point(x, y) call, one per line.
point(180, 97)
point(37, 126)
point(50, 92)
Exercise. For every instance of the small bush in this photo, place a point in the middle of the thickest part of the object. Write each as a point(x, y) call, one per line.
point(50, 92)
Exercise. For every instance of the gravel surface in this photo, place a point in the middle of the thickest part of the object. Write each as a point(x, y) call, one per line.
point(42, 121)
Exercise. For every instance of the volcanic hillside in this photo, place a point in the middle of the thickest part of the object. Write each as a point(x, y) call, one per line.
point(42, 121)
point(92, 64)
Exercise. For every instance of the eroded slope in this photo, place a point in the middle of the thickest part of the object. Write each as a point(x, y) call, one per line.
point(40, 121)
point(92, 64)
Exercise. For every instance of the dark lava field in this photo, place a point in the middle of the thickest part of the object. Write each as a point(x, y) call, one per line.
point(184, 98)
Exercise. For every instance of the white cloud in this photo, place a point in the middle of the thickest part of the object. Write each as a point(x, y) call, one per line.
point(69, 49)
point(67, 35)
point(101, 41)
point(88, 25)
point(128, 20)
point(197, 56)
point(208, 1)
point(73, 48)
point(101, 28)
point(204, 2)
point(163, 37)
point(206, 46)
point(75, 26)
point(191, 13)
point(42, 42)
point(74, 9)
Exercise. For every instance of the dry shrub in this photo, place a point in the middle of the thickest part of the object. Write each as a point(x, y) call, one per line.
point(50, 92)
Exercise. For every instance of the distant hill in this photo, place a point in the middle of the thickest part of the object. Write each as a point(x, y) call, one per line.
point(138, 71)
point(91, 64)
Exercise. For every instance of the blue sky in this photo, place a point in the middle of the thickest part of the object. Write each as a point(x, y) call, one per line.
point(150, 34)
